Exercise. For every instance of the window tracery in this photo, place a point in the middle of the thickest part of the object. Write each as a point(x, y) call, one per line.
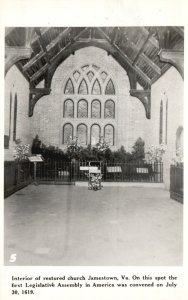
point(69, 89)
point(89, 80)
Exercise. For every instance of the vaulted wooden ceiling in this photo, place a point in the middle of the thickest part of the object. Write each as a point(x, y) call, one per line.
point(146, 53)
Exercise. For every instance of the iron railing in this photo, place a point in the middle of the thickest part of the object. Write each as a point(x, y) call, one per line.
point(176, 183)
point(59, 171)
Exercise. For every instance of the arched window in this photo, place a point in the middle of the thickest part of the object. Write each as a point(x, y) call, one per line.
point(166, 121)
point(67, 133)
point(68, 109)
point(96, 109)
point(69, 88)
point(103, 76)
point(76, 75)
point(179, 138)
point(10, 115)
point(110, 90)
point(109, 109)
point(90, 75)
point(96, 89)
point(95, 134)
point(89, 94)
point(82, 109)
point(161, 124)
point(83, 88)
point(15, 117)
point(109, 134)
point(82, 134)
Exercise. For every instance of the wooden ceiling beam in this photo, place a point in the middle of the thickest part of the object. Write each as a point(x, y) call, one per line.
point(179, 30)
point(14, 54)
point(141, 49)
point(39, 72)
point(151, 64)
point(176, 58)
point(125, 57)
point(142, 74)
point(115, 35)
point(65, 49)
point(42, 44)
point(41, 54)
point(8, 30)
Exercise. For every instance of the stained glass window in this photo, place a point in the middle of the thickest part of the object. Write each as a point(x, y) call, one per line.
point(109, 134)
point(96, 109)
point(67, 133)
point(161, 124)
point(96, 68)
point(110, 90)
point(69, 89)
point(95, 134)
point(90, 75)
point(179, 138)
point(15, 117)
point(10, 114)
point(83, 89)
point(103, 76)
point(82, 109)
point(82, 134)
point(166, 121)
point(76, 75)
point(68, 109)
point(85, 67)
point(109, 109)
point(96, 90)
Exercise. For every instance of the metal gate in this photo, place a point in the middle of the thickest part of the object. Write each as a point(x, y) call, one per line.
point(54, 171)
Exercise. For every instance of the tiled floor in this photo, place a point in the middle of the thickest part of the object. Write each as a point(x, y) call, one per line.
point(71, 225)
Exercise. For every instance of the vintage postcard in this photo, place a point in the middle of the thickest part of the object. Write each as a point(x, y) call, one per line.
point(94, 198)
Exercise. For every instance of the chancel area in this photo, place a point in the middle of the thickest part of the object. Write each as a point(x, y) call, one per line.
point(93, 145)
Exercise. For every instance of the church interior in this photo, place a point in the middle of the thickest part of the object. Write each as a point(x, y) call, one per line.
point(77, 86)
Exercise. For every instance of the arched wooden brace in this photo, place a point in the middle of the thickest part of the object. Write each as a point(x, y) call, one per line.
point(35, 95)
point(145, 97)
point(14, 54)
point(166, 53)
point(105, 45)
point(175, 58)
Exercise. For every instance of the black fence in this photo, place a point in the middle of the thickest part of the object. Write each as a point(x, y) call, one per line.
point(176, 183)
point(16, 176)
point(59, 171)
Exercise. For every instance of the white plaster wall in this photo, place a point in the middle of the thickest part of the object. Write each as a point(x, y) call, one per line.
point(15, 83)
point(169, 86)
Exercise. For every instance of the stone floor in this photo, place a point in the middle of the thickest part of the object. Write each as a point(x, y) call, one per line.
point(71, 225)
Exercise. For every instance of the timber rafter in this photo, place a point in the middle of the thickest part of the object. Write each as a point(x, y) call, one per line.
point(145, 53)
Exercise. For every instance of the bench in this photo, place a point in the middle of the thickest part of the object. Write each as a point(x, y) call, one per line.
point(115, 169)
